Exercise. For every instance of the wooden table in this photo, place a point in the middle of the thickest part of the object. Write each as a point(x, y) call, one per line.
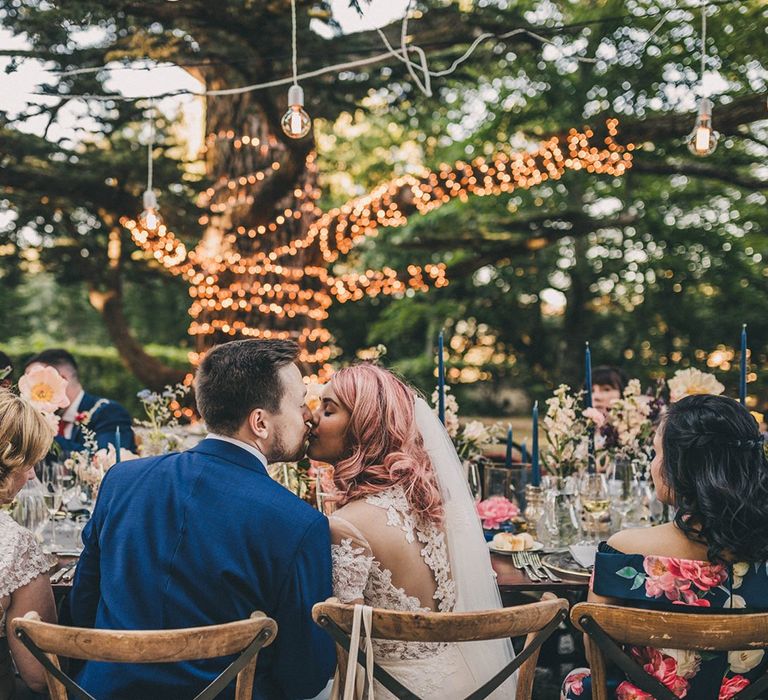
point(512, 580)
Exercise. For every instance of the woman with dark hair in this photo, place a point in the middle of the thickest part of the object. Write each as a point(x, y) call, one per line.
point(608, 384)
point(709, 464)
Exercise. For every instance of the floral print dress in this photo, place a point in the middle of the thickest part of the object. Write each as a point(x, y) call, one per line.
point(664, 583)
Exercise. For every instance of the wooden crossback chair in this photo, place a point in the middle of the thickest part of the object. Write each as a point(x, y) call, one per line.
point(609, 626)
point(536, 620)
point(244, 637)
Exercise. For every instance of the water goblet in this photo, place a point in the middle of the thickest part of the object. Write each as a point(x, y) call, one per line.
point(595, 501)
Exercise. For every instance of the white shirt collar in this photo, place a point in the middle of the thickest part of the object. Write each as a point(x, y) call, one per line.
point(234, 441)
point(71, 411)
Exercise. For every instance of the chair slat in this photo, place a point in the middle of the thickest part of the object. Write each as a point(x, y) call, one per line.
point(677, 630)
point(152, 646)
point(448, 627)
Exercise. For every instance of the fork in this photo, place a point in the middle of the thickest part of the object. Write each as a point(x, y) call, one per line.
point(534, 560)
point(519, 563)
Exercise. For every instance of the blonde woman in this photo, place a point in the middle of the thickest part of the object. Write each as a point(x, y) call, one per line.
point(25, 438)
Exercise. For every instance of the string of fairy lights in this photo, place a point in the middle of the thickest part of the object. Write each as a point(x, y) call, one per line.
point(234, 290)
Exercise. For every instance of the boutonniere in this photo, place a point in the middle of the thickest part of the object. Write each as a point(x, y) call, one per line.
point(84, 417)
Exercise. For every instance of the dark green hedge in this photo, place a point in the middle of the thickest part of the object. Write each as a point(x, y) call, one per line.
point(101, 371)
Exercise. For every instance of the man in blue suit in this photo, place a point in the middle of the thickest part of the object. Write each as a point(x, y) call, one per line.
point(100, 416)
point(205, 536)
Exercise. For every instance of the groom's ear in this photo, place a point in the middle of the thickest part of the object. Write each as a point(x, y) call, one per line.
point(258, 422)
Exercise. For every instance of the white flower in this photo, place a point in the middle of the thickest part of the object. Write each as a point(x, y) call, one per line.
point(688, 661)
point(744, 661)
point(735, 602)
point(739, 572)
point(690, 382)
point(475, 431)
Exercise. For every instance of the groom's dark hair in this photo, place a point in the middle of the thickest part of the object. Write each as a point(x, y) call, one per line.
point(235, 378)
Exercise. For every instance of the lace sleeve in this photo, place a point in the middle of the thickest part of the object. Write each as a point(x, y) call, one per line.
point(351, 558)
point(21, 558)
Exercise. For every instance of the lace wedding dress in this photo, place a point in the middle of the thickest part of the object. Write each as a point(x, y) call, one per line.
point(21, 560)
point(386, 558)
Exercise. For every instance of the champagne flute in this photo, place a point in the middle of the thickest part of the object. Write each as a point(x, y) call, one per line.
point(53, 493)
point(595, 500)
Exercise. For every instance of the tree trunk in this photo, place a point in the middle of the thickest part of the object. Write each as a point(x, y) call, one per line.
point(252, 280)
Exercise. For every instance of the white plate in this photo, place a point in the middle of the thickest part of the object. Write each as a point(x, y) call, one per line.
point(535, 547)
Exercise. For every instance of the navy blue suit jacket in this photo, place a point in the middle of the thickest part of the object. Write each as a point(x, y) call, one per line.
point(104, 422)
point(199, 538)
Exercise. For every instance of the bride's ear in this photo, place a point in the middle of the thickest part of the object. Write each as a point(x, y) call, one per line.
point(258, 422)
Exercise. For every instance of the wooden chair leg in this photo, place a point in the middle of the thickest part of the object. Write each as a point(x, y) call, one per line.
point(55, 689)
point(244, 687)
point(598, 671)
point(526, 673)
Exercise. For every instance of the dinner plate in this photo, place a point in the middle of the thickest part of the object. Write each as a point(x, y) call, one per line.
point(535, 547)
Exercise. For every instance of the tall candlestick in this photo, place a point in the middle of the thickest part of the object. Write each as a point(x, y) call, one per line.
point(535, 471)
point(588, 404)
point(508, 459)
point(440, 379)
point(743, 375)
point(117, 445)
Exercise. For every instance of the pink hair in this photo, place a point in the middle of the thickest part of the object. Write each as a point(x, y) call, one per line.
point(386, 446)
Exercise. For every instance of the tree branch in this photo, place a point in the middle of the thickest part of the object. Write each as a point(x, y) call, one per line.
point(703, 170)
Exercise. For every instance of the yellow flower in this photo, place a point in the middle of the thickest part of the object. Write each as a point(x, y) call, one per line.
point(45, 389)
point(690, 382)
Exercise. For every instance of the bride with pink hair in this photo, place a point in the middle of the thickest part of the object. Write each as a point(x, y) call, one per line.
point(405, 535)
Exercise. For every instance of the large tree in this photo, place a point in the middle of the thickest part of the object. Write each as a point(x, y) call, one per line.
point(510, 89)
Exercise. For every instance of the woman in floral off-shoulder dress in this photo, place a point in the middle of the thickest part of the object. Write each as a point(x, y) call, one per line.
point(711, 465)
point(397, 535)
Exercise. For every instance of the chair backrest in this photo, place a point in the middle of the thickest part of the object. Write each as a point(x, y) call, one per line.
point(609, 626)
point(537, 621)
point(244, 637)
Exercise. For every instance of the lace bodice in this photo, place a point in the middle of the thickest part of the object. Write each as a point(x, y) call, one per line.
point(21, 560)
point(359, 574)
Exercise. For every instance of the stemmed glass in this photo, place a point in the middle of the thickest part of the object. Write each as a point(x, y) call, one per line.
point(53, 493)
point(595, 501)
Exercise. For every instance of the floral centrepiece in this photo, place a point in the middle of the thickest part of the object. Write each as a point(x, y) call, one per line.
point(159, 437)
point(496, 511)
point(565, 432)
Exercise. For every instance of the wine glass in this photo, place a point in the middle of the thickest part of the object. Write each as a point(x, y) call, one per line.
point(473, 478)
point(53, 494)
point(595, 501)
point(624, 489)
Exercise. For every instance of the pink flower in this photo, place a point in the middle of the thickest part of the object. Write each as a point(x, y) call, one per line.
point(660, 581)
point(731, 686)
point(595, 415)
point(44, 388)
point(496, 510)
point(573, 682)
point(627, 691)
point(703, 575)
point(663, 668)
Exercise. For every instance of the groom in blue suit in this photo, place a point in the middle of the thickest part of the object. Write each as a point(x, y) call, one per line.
point(205, 537)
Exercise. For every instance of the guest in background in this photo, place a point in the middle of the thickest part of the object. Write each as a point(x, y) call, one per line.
point(6, 371)
point(608, 384)
point(710, 465)
point(101, 416)
point(24, 584)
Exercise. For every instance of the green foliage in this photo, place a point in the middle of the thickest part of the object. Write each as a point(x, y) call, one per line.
point(101, 371)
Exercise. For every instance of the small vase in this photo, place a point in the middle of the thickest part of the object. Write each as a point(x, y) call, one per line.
point(559, 524)
point(534, 508)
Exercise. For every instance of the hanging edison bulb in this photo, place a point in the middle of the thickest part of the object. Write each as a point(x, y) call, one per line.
point(702, 141)
point(296, 122)
point(150, 219)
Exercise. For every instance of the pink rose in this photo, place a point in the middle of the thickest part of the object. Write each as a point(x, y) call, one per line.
point(663, 668)
point(496, 510)
point(703, 575)
point(731, 686)
point(660, 580)
point(627, 691)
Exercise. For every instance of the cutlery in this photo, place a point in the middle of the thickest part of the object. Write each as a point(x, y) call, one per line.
point(535, 561)
point(60, 575)
point(519, 563)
